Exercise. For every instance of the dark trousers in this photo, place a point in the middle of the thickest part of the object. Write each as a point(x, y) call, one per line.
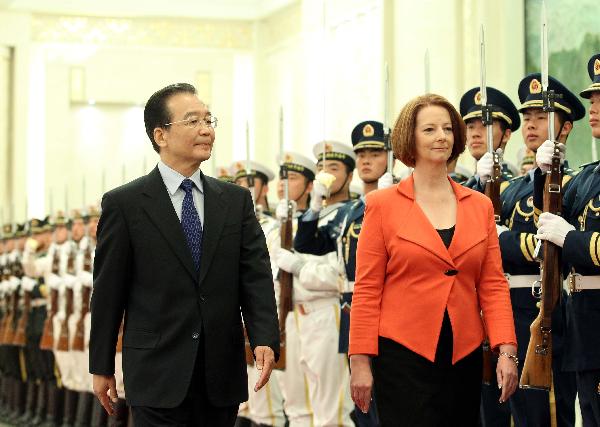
point(588, 387)
point(195, 411)
point(412, 391)
point(531, 408)
point(493, 413)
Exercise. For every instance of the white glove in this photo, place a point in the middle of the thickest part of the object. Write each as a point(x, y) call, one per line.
point(501, 229)
point(31, 245)
point(543, 156)
point(485, 167)
point(281, 211)
point(289, 261)
point(318, 193)
point(386, 180)
point(553, 228)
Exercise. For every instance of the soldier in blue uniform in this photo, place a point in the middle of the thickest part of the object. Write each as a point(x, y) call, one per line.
point(578, 235)
point(341, 234)
point(505, 119)
point(517, 244)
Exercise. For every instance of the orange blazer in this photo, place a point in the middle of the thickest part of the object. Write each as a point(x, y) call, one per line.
point(406, 278)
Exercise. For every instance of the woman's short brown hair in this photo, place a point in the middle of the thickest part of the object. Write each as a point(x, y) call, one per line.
point(403, 135)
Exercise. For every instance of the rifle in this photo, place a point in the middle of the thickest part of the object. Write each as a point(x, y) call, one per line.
point(286, 279)
point(20, 337)
point(79, 339)
point(492, 188)
point(386, 128)
point(537, 369)
point(63, 338)
point(47, 341)
point(9, 332)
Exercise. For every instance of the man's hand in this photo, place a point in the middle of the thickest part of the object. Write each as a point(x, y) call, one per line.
point(543, 155)
point(265, 360)
point(281, 212)
point(485, 167)
point(553, 228)
point(105, 385)
point(385, 181)
point(318, 193)
point(289, 261)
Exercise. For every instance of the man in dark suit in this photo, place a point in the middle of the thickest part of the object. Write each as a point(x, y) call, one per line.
point(182, 257)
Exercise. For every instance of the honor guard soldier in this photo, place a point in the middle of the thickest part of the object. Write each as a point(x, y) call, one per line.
point(258, 184)
point(505, 119)
point(527, 162)
point(340, 235)
point(261, 176)
point(223, 173)
point(517, 244)
point(577, 232)
point(40, 363)
point(315, 329)
point(12, 381)
point(285, 394)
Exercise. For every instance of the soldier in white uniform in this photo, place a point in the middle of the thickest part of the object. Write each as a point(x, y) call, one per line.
point(314, 327)
point(266, 406)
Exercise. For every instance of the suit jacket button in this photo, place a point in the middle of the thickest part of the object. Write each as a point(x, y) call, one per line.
point(451, 272)
point(202, 298)
point(195, 335)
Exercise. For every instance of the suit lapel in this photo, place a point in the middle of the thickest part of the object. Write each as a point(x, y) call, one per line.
point(467, 221)
point(159, 208)
point(215, 212)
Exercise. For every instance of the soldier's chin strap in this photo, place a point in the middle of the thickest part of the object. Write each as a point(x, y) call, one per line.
point(304, 192)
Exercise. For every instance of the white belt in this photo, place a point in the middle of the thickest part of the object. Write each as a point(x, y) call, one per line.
point(38, 302)
point(521, 280)
point(578, 283)
point(310, 306)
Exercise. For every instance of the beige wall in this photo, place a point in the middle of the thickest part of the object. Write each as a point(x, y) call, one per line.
point(326, 75)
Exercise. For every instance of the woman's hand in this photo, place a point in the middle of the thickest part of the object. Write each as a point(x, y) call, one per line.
point(506, 371)
point(361, 381)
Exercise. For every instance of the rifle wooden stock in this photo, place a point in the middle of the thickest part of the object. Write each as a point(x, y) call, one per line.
point(63, 338)
point(79, 339)
point(537, 370)
point(20, 337)
point(286, 288)
point(492, 190)
point(47, 341)
point(9, 333)
point(6, 319)
point(120, 339)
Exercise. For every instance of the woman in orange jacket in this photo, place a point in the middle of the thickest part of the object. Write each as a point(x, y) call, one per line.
point(428, 265)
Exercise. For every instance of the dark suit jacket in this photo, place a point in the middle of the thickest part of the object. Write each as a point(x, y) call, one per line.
point(144, 270)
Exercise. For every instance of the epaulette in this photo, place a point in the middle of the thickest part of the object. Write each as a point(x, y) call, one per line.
point(588, 164)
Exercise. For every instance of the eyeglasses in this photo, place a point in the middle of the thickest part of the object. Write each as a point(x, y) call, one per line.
point(195, 122)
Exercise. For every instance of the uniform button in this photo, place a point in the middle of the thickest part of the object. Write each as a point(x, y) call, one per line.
point(195, 335)
point(451, 272)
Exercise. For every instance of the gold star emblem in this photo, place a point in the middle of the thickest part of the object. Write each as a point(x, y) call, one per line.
point(368, 130)
point(288, 158)
point(535, 86)
point(597, 67)
point(239, 166)
point(328, 148)
point(478, 98)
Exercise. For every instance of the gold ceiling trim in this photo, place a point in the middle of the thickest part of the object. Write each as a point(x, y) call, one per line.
point(168, 32)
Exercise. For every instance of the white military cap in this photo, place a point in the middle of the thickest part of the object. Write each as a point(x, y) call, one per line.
point(296, 162)
point(335, 151)
point(238, 168)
